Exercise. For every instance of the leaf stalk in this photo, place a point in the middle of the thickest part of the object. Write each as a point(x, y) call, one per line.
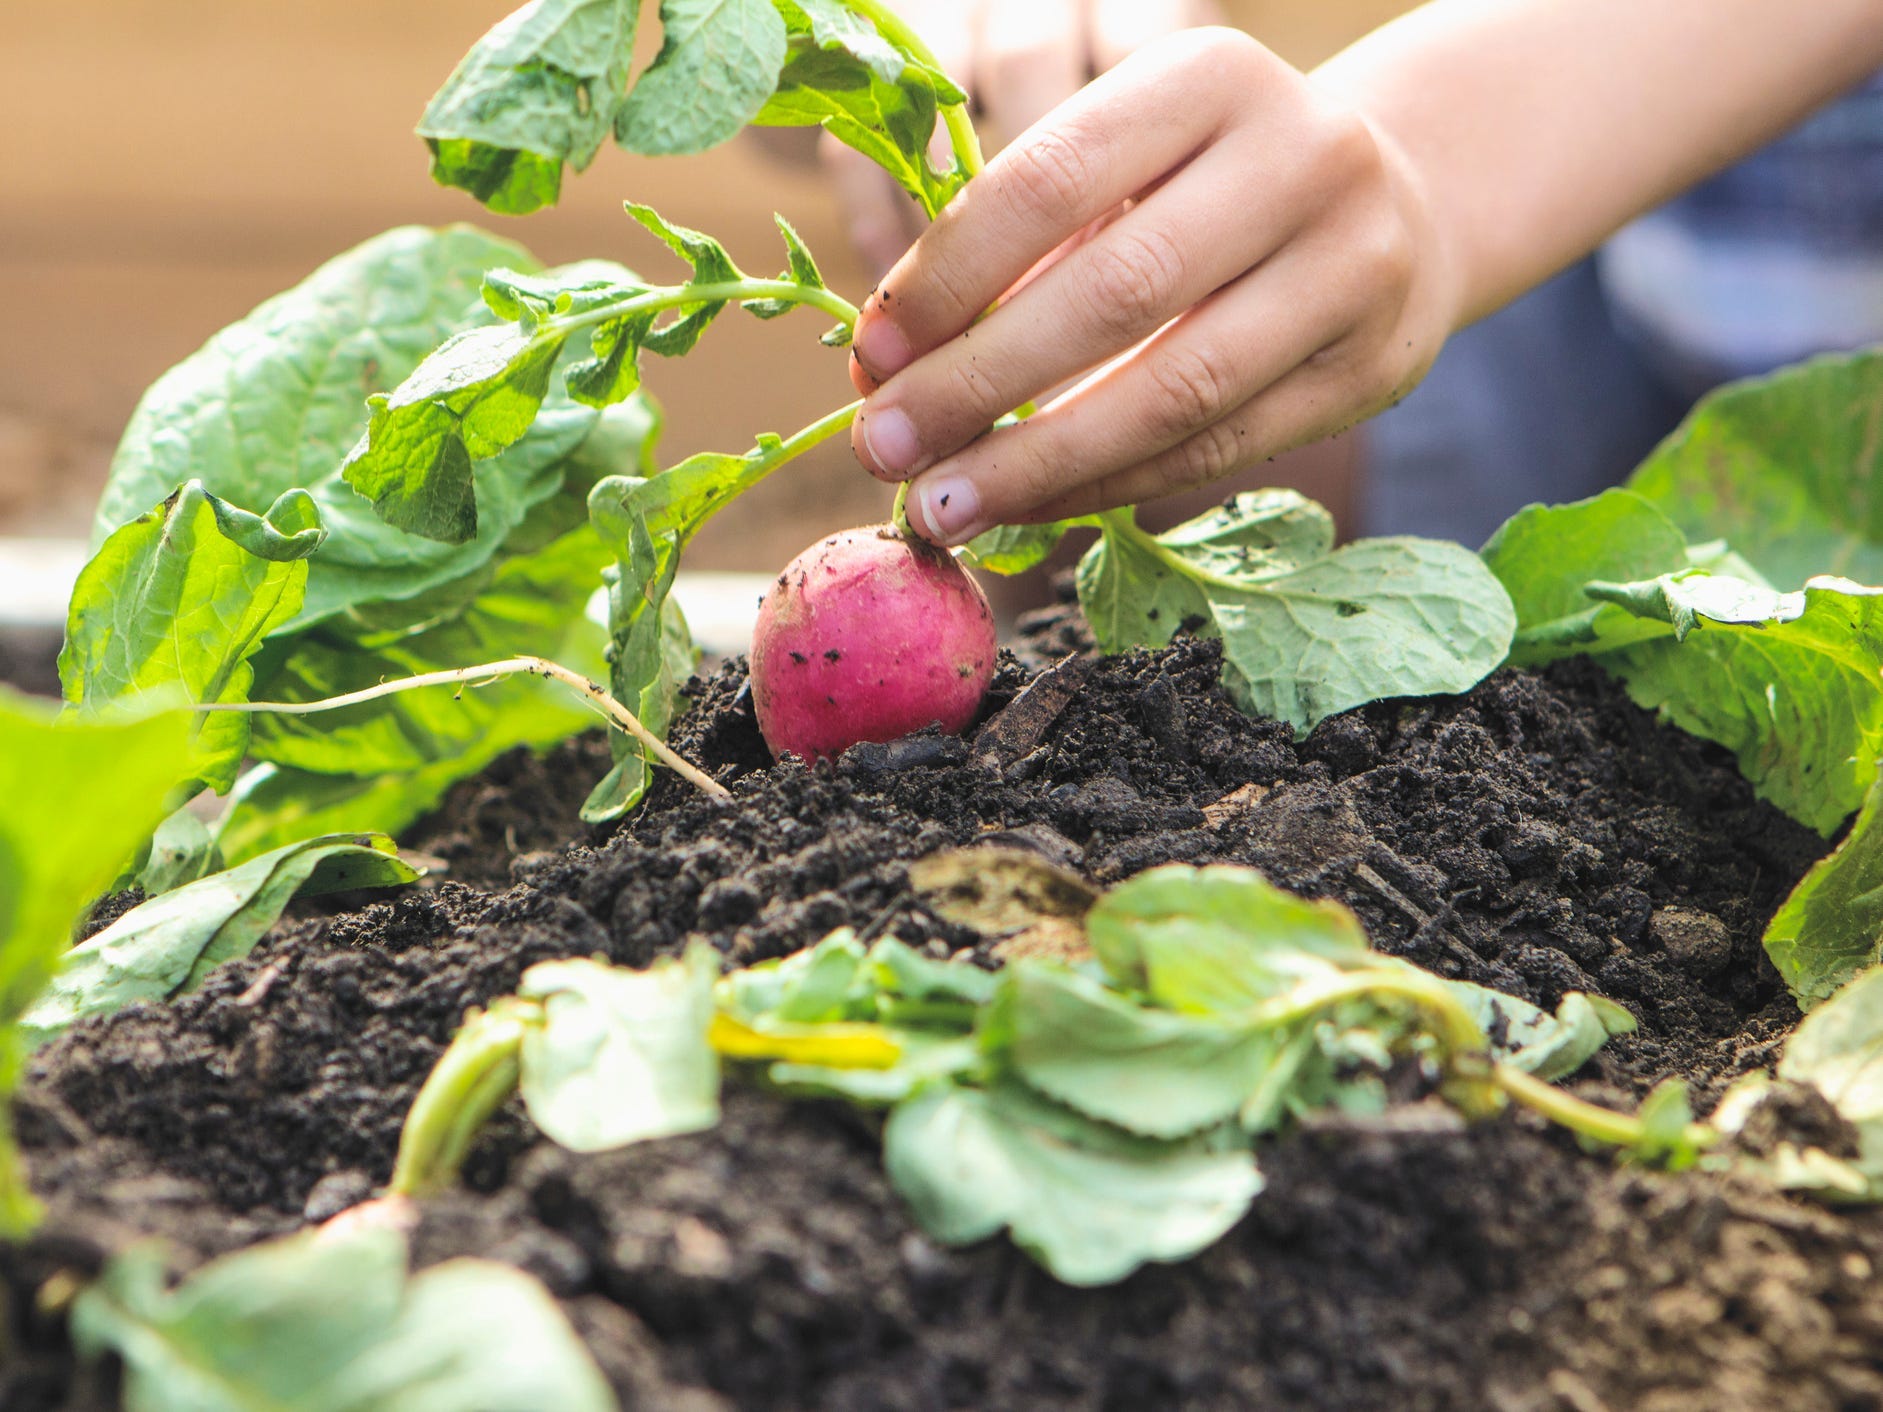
point(1590, 1120)
point(478, 1072)
point(962, 138)
point(492, 671)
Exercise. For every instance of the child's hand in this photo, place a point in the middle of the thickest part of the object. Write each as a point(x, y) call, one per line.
point(1267, 274)
point(1017, 61)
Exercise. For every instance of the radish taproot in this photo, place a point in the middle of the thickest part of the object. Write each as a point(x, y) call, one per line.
point(869, 635)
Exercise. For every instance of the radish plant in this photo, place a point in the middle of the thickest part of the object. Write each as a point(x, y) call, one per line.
point(1102, 1112)
point(506, 458)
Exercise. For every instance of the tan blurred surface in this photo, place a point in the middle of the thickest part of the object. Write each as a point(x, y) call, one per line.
point(171, 163)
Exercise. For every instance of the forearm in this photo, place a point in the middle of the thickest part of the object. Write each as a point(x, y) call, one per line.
point(1536, 127)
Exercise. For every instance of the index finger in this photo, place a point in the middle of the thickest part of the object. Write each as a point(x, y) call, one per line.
point(1108, 142)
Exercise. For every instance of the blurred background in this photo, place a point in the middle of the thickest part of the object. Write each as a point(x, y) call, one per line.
point(171, 163)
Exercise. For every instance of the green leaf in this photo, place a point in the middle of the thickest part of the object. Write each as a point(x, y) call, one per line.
point(805, 988)
point(1308, 630)
point(270, 807)
point(531, 605)
point(1666, 1118)
point(1131, 597)
point(718, 63)
point(1831, 926)
point(1787, 468)
point(800, 268)
point(711, 265)
point(1091, 1204)
point(1375, 619)
point(1838, 1050)
point(330, 1323)
point(1220, 939)
point(540, 89)
point(1787, 681)
point(646, 523)
point(181, 851)
point(167, 945)
point(1013, 549)
point(475, 396)
point(81, 798)
point(1546, 555)
point(1532, 1039)
point(275, 402)
point(621, 1055)
point(1152, 1072)
point(902, 971)
point(176, 603)
point(842, 75)
point(1792, 684)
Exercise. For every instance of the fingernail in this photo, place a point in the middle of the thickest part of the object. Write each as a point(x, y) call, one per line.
point(881, 347)
point(951, 506)
point(889, 436)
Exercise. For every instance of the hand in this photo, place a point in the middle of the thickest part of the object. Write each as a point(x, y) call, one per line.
point(1017, 61)
point(1266, 273)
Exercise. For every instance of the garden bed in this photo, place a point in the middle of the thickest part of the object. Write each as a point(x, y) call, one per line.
point(1539, 834)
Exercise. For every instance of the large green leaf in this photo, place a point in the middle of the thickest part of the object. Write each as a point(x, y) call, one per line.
point(841, 75)
point(1375, 619)
point(177, 602)
point(1547, 555)
point(1308, 630)
point(331, 1323)
point(1792, 683)
point(275, 401)
point(1090, 1203)
point(1154, 1072)
point(1831, 926)
point(81, 798)
point(620, 1056)
point(545, 85)
point(169, 944)
point(270, 808)
point(531, 605)
point(1787, 468)
point(540, 89)
point(718, 63)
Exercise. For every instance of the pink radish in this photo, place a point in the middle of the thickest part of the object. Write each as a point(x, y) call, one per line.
point(869, 635)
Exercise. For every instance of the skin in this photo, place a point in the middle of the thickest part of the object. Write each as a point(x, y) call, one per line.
point(1279, 255)
point(1018, 61)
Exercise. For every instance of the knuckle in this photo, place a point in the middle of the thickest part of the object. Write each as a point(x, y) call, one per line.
point(1343, 142)
point(1385, 262)
point(1133, 278)
point(1211, 454)
point(1048, 179)
point(1220, 50)
point(973, 397)
point(1193, 385)
point(1018, 482)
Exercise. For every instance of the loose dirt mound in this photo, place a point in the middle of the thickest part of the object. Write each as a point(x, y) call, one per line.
point(1539, 835)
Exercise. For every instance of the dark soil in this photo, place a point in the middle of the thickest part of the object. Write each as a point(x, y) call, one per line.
point(1539, 835)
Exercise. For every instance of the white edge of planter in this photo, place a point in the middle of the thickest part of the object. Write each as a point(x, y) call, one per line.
point(36, 577)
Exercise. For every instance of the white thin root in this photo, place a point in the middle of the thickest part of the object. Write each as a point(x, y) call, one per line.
point(493, 671)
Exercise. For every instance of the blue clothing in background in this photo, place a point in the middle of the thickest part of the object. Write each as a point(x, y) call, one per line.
point(1559, 395)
